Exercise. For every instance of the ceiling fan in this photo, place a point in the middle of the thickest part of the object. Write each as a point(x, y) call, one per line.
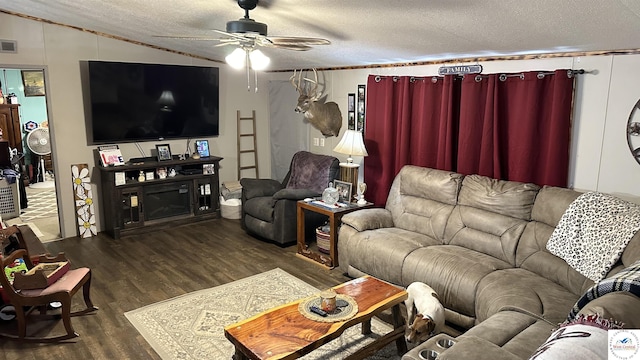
point(248, 33)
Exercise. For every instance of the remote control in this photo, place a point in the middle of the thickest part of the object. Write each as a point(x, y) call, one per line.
point(318, 311)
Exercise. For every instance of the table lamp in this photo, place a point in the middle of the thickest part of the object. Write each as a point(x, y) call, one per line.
point(352, 145)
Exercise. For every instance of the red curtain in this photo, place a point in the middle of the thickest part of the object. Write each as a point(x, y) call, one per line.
point(385, 134)
point(434, 122)
point(409, 121)
point(505, 126)
point(516, 126)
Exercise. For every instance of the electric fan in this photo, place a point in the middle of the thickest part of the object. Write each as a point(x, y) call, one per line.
point(38, 143)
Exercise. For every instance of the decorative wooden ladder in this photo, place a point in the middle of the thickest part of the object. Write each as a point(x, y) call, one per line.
point(247, 150)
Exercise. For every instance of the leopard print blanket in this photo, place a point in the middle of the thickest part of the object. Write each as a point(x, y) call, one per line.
point(593, 232)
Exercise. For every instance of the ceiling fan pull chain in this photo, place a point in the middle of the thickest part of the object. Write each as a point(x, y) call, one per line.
point(256, 80)
point(248, 66)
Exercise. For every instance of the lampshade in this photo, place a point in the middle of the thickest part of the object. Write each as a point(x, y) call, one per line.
point(237, 58)
point(259, 61)
point(351, 144)
point(247, 57)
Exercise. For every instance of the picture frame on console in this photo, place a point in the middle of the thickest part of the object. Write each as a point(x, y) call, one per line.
point(164, 152)
point(202, 147)
point(344, 190)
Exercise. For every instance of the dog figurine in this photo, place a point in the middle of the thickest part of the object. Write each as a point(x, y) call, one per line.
point(429, 317)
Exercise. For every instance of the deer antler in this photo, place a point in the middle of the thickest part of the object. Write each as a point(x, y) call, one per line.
point(313, 93)
point(292, 79)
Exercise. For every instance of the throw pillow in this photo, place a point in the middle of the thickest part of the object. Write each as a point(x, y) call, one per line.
point(582, 338)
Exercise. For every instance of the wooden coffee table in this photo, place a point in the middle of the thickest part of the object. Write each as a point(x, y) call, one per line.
point(284, 333)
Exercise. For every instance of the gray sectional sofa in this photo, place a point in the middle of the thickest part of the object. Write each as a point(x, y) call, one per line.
point(481, 244)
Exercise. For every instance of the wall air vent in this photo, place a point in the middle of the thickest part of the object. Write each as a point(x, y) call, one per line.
point(8, 46)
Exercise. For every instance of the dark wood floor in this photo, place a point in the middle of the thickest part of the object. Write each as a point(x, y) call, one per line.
point(139, 270)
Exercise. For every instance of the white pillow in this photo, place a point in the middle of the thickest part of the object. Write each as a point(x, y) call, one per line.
point(582, 338)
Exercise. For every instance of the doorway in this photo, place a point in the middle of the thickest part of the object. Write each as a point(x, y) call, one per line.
point(25, 97)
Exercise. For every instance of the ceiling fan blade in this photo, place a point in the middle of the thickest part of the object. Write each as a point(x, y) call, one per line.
point(296, 47)
point(227, 42)
point(296, 40)
point(266, 3)
point(188, 37)
point(239, 36)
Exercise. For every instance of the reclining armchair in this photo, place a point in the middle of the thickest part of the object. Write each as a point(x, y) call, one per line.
point(269, 207)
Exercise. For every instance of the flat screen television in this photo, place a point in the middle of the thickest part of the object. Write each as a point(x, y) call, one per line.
point(131, 102)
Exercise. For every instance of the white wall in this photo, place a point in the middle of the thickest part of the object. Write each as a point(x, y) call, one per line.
point(600, 158)
point(59, 50)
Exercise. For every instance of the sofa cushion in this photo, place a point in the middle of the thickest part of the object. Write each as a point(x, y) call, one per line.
point(631, 253)
point(510, 289)
point(421, 199)
point(508, 198)
point(551, 203)
point(484, 231)
point(514, 332)
point(384, 251)
point(454, 272)
point(532, 255)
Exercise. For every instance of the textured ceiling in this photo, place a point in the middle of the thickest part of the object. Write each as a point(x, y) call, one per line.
point(362, 32)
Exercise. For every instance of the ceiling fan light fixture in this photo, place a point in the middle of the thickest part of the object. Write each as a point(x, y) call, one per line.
point(237, 58)
point(259, 61)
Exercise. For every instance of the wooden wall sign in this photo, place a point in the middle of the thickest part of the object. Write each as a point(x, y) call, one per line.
point(83, 196)
point(460, 70)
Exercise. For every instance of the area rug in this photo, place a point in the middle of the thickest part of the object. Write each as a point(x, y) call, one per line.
point(191, 326)
point(41, 204)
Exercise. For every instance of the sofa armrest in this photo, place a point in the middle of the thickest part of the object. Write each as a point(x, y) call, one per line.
point(368, 219)
point(619, 305)
point(466, 347)
point(294, 194)
point(252, 188)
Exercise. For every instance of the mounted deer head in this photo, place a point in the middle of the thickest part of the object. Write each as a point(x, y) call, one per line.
point(325, 117)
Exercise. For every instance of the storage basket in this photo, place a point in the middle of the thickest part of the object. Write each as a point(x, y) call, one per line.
point(231, 209)
point(9, 199)
point(323, 240)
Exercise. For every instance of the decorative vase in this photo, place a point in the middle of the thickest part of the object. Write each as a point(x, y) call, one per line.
point(141, 176)
point(362, 187)
point(330, 195)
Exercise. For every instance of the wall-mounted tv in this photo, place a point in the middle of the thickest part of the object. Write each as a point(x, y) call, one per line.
point(130, 102)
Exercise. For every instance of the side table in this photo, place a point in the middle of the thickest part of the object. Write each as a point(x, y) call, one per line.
point(334, 213)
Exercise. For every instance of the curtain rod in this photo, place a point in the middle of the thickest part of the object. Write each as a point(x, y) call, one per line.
point(479, 77)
